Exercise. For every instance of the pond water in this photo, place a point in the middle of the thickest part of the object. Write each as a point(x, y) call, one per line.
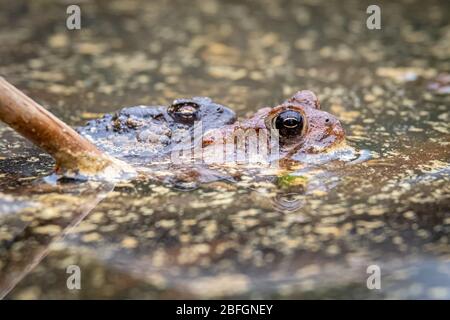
point(147, 239)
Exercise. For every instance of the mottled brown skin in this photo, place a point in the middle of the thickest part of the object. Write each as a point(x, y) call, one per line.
point(321, 131)
point(141, 134)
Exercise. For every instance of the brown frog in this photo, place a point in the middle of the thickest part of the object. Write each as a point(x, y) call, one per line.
point(297, 128)
point(290, 141)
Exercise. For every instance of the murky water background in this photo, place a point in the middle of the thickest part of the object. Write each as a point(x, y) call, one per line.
point(145, 239)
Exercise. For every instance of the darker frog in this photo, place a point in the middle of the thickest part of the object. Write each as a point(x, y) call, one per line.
point(143, 133)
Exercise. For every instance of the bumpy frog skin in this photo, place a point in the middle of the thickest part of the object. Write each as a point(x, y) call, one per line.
point(301, 127)
point(142, 133)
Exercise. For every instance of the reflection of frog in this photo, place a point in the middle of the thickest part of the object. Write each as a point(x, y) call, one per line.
point(301, 127)
point(143, 133)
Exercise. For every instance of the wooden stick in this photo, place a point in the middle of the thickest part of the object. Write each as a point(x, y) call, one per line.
point(72, 152)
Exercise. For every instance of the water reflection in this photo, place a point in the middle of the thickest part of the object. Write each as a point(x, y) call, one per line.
point(288, 202)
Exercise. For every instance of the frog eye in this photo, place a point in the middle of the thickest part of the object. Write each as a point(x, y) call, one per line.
point(184, 111)
point(289, 123)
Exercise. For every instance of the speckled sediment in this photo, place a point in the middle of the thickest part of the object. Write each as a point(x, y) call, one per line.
point(227, 239)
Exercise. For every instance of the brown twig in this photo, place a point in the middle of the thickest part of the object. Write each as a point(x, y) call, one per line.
point(72, 152)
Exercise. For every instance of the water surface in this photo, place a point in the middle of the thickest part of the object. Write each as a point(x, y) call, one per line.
point(144, 239)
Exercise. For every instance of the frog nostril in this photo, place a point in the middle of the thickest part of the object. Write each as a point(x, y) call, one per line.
point(327, 120)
